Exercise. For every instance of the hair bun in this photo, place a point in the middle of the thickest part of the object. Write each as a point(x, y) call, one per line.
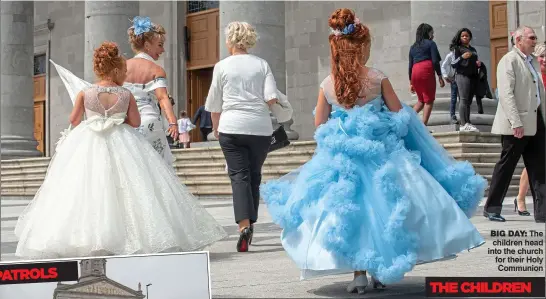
point(107, 50)
point(341, 18)
point(106, 58)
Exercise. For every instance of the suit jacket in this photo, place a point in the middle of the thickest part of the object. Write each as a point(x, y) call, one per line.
point(517, 94)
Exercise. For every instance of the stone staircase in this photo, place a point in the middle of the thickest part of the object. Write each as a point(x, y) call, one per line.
point(203, 169)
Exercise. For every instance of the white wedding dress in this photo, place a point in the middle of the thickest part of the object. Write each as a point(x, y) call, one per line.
point(108, 192)
point(152, 126)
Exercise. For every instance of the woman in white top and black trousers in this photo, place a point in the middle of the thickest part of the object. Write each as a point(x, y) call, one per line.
point(242, 90)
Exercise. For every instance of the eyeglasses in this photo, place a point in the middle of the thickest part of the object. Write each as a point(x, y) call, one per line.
point(532, 37)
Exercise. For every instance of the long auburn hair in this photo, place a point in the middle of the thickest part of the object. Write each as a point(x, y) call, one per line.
point(349, 54)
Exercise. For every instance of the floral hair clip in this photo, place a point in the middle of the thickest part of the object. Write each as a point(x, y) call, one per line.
point(348, 29)
point(141, 25)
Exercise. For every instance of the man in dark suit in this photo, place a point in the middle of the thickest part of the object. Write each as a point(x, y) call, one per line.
point(520, 122)
point(205, 122)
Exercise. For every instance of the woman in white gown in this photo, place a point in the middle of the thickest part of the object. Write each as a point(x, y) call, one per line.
point(148, 83)
point(107, 191)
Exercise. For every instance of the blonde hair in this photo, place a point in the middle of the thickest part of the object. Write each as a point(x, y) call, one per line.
point(137, 41)
point(540, 49)
point(241, 35)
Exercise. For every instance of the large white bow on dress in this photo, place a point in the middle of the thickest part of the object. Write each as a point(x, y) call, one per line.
point(100, 123)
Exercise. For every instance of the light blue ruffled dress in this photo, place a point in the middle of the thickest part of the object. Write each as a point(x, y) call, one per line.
point(380, 194)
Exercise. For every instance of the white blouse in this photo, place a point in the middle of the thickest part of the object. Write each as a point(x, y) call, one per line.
point(240, 88)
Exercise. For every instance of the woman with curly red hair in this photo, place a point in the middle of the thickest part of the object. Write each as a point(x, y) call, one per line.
point(107, 191)
point(380, 195)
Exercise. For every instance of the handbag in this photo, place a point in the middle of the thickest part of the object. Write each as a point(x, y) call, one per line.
point(279, 139)
point(282, 110)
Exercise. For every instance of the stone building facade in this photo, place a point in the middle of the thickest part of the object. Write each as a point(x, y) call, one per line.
point(93, 283)
point(297, 50)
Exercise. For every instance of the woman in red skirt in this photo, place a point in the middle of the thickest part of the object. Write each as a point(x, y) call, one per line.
point(424, 61)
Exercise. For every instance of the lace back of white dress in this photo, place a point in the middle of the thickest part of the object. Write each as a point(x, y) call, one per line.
point(93, 105)
point(371, 88)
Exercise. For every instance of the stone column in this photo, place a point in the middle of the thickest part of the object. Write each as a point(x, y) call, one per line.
point(264, 16)
point(447, 17)
point(107, 21)
point(16, 65)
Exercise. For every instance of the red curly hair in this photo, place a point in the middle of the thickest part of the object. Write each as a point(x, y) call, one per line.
point(348, 56)
point(106, 58)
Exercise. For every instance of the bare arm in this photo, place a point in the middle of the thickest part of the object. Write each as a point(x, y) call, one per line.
point(163, 98)
point(133, 116)
point(165, 104)
point(77, 112)
point(323, 109)
point(390, 97)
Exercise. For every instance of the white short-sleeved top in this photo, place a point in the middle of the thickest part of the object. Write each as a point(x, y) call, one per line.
point(240, 88)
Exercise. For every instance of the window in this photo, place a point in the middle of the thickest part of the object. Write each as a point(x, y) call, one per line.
point(197, 6)
point(40, 64)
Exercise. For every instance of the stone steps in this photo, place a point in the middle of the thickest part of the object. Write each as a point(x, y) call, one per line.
point(487, 168)
point(185, 160)
point(202, 169)
point(466, 137)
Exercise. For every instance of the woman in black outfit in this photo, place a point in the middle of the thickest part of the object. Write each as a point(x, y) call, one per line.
point(466, 65)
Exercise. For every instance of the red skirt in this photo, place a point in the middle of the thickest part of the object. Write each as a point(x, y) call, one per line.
point(423, 79)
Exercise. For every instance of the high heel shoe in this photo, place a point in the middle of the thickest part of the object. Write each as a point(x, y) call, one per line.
point(377, 284)
point(242, 243)
point(251, 234)
point(358, 285)
point(516, 209)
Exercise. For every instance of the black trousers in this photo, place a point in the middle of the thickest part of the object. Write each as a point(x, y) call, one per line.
point(245, 156)
point(205, 133)
point(532, 148)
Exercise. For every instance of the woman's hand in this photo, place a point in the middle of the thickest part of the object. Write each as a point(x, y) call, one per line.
point(173, 131)
point(272, 102)
point(441, 81)
point(466, 55)
point(411, 89)
point(216, 134)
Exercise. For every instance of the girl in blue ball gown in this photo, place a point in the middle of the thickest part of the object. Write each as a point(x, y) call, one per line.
point(380, 195)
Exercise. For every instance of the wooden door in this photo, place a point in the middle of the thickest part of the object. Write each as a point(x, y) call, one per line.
point(39, 111)
point(204, 38)
point(498, 33)
point(198, 89)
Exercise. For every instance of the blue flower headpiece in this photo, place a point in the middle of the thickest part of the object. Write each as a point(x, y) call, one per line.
point(141, 25)
point(348, 29)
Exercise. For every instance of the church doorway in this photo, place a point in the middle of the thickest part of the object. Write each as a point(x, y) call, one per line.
point(202, 53)
point(498, 34)
point(39, 101)
point(198, 89)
